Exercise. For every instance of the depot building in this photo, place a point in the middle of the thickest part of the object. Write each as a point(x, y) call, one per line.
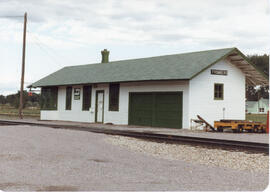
point(163, 91)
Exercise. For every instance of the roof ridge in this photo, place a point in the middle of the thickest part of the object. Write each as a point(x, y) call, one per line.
point(153, 57)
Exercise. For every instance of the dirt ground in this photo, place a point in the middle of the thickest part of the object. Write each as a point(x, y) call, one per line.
point(46, 159)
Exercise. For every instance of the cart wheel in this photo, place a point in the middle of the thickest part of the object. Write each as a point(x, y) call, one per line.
point(220, 129)
point(240, 129)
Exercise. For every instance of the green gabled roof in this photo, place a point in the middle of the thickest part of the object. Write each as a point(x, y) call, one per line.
point(168, 67)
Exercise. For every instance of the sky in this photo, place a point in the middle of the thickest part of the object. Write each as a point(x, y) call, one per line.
point(66, 32)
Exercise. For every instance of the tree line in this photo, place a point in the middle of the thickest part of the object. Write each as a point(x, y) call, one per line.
point(29, 99)
point(262, 63)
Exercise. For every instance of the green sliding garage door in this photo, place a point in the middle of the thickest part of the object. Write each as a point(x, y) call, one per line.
point(156, 109)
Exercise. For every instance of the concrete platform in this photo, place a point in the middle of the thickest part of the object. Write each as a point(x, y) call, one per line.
point(249, 137)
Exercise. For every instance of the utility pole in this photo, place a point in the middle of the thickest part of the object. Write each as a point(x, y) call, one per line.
point(23, 66)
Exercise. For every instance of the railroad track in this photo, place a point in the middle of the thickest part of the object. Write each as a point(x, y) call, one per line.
point(205, 142)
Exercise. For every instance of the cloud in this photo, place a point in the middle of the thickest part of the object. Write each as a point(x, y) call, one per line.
point(69, 24)
point(6, 88)
point(79, 30)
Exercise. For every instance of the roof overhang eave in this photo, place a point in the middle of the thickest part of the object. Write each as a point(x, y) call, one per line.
point(253, 75)
point(258, 79)
point(91, 83)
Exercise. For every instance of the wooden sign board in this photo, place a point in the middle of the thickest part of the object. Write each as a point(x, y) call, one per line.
point(219, 72)
point(77, 93)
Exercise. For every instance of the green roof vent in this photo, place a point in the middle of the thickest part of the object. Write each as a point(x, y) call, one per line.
point(105, 56)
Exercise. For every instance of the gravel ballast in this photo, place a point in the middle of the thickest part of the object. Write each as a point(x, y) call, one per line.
point(249, 137)
point(238, 160)
point(36, 158)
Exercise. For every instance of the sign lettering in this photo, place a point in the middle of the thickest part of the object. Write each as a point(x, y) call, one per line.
point(219, 72)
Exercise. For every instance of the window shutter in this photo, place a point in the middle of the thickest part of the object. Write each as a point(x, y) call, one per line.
point(48, 100)
point(87, 95)
point(114, 97)
point(68, 98)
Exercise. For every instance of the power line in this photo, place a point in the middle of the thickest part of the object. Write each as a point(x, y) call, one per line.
point(46, 52)
point(5, 16)
point(41, 43)
point(43, 47)
point(10, 16)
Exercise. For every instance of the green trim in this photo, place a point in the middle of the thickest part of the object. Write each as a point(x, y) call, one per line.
point(96, 106)
point(218, 98)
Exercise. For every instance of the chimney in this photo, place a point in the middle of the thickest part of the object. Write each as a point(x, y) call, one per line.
point(105, 56)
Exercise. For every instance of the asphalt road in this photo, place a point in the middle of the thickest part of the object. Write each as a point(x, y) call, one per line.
point(40, 158)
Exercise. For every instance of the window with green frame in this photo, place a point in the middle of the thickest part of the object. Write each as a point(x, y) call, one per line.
point(48, 99)
point(87, 95)
point(68, 98)
point(218, 91)
point(114, 97)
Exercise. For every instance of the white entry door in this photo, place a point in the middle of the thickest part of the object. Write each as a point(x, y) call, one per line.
point(99, 106)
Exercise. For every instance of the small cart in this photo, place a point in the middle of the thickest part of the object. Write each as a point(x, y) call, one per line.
point(238, 126)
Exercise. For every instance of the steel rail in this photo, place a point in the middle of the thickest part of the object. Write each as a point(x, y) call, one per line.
point(146, 135)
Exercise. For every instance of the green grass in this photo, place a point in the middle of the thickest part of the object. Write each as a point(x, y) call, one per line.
point(9, 110)
point(257, 117)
